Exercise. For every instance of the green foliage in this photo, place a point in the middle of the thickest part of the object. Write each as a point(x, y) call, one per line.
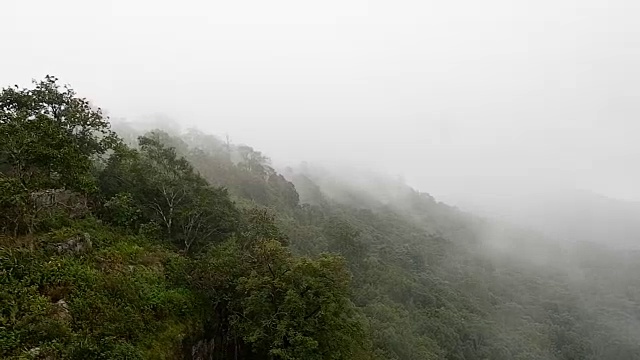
point(343, 239)
point(49, 141)
point(93, 289)
point(239, 168)
point(277, 306)
point(121, 210)
point(259, 224)
point(50, 136)
point(299, 308)
point(109, 303)
point(14, 205)
point(158, 262)
point(165, 190)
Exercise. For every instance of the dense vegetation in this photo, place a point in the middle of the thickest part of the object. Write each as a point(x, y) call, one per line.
point(158, 245)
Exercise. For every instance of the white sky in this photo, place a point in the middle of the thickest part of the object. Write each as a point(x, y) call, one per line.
point(454, 95)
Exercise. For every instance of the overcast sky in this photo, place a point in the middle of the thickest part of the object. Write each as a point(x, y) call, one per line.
point(449, 94)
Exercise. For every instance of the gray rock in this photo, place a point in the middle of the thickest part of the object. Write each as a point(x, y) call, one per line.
point(75, 245)
point(61, 310)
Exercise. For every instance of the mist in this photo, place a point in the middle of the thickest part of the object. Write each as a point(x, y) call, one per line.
point(456, 97)
point(371, 232)
point(469, 167)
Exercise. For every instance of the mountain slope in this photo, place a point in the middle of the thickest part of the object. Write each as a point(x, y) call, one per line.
point(186, 246)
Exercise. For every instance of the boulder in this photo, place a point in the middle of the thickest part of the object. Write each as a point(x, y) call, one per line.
point(76, 245)
point(61, 310)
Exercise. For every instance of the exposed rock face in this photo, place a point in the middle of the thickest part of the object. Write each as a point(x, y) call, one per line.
point(76, 245)
point(46, 201)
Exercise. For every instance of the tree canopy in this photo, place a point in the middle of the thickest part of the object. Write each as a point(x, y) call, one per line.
point(170, 246)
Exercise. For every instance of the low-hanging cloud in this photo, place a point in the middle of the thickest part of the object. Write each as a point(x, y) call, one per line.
point(455, 96)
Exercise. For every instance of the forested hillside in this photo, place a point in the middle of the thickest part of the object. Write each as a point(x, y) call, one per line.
point(153, 245)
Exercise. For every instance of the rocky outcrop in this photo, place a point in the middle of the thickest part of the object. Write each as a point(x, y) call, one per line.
point(61, 311)
point(51, 200)
point(78, 244)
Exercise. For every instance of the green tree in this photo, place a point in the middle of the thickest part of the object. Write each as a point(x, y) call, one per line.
point(298, 308)
point(49, 140)
point(259, 225)
point(269, 304)
point(170, 193)
point(50, 136)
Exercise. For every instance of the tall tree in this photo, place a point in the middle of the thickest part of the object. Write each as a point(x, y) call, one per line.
point(50, 136)
point(170, 193)
point(49, 139)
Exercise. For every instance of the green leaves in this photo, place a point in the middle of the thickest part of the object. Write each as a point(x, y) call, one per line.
point(127, 293)
point(119, 300)
point(121, 210)
point(168, 192)
point(50, 136)
point(280, 306)
point(49, 140)
point(174, 262)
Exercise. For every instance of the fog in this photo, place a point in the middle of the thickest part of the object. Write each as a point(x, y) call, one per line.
point(463, 99)
point(516, 121)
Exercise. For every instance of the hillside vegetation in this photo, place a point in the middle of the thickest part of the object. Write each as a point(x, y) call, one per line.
point(169, 246)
